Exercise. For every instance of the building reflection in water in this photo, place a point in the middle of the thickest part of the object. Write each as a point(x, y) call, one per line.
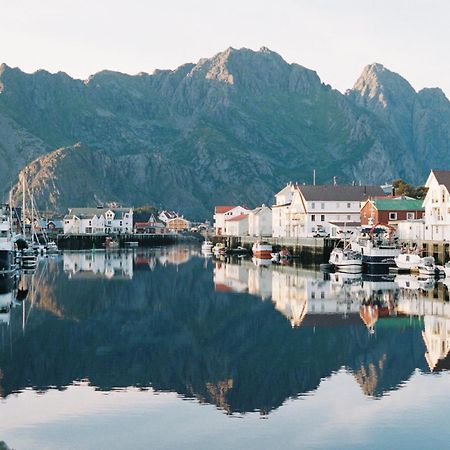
point(244, 337)
point(310, 297)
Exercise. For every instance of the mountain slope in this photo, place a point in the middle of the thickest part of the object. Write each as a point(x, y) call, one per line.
point(231, 128)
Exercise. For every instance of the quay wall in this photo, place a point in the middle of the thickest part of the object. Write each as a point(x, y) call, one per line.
point(87, 242)
point(440, 250)
point(309, 250)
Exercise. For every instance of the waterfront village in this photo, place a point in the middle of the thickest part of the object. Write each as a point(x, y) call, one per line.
point(302, 216)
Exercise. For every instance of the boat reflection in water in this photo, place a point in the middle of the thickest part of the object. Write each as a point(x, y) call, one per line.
point(240, 336)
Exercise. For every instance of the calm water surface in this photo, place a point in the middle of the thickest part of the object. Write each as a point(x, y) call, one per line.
point(167, 349)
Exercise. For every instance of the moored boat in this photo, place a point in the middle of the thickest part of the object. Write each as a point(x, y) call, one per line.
point(408, 261)
point(262, 250)
point(346, 260)
point(207, 246)
point(7, 246)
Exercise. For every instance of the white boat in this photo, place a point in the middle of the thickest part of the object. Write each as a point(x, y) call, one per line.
point(7, 247)
point(51, 248)
point(207, 246)
point(262, 250)
point(447, 269)
point(346, 260)
point(408, 261)
point(428, 266)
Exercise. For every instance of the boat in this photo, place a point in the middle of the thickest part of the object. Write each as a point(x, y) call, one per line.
point(207, 246)
point(237, 251)
point(7, 245)
point(28, 259)
point(219, 249)
point(51, 248)
point(447, 269)
point(262, 250)
point(346, 260)
point(378, 247)
point(428, 267)
point(408, 261)
point(110, 243)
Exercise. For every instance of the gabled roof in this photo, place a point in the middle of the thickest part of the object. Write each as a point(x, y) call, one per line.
point(443, 177)
point(221, 209)
point(260, 209)
point(398, 204)
point(88, 213)
point(237, 218)
point(339, 192)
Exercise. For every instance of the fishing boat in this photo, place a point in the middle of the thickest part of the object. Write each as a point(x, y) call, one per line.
point(7, 245)
point(282, 255)
point(219, 249)
point(346, 260)
point(51, 248)
point(378, 247)
point(262, 250)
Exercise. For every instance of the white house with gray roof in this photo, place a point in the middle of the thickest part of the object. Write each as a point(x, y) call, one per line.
point(437, 206)
point(310, 208)
point(98, 221)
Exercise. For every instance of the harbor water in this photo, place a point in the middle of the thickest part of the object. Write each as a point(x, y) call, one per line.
point(167, 348)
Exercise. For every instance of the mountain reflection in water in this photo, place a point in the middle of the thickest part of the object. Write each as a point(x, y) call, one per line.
point(237, 335)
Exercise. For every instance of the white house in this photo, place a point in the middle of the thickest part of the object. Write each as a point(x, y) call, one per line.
point(280, 210)
point(310, 208)
point(437, 206)
point(98, 220)
point(165, 216)
point(237, 225)
point(222, 213)
point(260, 222)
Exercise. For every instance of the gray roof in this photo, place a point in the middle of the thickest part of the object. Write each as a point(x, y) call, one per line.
point(443, 177)
point(86, 213)
point(340, 192)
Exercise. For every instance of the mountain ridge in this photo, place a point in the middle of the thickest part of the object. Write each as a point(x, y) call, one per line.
point(231, 128)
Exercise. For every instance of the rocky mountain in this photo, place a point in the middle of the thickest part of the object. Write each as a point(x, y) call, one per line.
point(232, 128)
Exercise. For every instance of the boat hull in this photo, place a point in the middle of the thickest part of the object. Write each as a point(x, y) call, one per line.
point(7, 261)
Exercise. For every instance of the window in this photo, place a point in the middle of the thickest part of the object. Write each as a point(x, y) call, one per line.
point(349, 205)
point(313, 218)
point(313, 205)
point(349, 217)
point(337, 205)
point(322, 218)
point(322, 206)
point(392, 216)
point(409, 216)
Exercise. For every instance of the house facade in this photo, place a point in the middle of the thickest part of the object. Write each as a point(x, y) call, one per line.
point(391, 210)
point(223, 213)
point(305, 210)
point(178, 224)
point(148, 224)
point(260, 222)
point(98, 221)
point(437, 206)
point(237, 225)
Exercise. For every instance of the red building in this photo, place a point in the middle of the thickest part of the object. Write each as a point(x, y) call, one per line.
point(392, 209)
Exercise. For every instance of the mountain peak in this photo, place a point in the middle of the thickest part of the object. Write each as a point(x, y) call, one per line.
point(377, 84)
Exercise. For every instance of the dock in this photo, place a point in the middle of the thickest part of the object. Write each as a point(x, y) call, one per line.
point(307, 249)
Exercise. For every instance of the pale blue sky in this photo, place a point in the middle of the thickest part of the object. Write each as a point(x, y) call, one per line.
point(337, 38)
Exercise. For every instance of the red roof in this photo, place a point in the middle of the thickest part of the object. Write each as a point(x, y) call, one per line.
point(223, 209)
point(237, 218)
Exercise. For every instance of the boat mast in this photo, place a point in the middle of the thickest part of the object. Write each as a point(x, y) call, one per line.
point(23, 206)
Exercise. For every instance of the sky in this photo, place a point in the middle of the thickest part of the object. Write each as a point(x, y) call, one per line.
point(337, 38)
